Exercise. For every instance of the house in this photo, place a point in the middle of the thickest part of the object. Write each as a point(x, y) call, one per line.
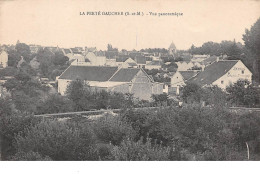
point(184, 65)
point(172, 49)
point(129, 63)
point(96, 60)
point(222, 73)
point(199, 58)
point(34, 48)
point(154, 65)
point(179, 79)
point(210, 60)
point(141, 61)
point(121, 59)
point(3, 59)
point(111, 62)
point(81, 61)
point(68, 53)
point(112, 79)
point(90, 49)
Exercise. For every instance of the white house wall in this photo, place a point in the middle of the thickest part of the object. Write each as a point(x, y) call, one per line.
point(233, 75)
point(177, 80)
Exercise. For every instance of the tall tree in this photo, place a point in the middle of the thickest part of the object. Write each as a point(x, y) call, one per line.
point(252, 43)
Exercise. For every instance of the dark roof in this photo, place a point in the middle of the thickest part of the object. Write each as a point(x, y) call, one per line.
point(140, 59)
point(125, 74)
point(90, 73)
point(155, 62)
point(209, 60)
point(75, 51)
point(132, 64)
point(67, 51)
point(87, 60)
point(188, 74)
point(213, 72)
point(122, 58)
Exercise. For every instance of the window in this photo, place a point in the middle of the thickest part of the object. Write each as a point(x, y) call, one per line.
point(242, 72)
point(222, 82)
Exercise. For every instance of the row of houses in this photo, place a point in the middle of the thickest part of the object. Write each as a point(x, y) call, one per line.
point(221, 73)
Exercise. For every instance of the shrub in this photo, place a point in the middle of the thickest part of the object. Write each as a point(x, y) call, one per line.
point(139, 151)
point(111, 129)
point(58, 140)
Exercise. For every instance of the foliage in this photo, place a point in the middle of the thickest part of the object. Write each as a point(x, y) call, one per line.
point(160, 99)
point(252, 43)
point(191, 92)
point(130, 150)
point(11, 124)
point(110, 129)
point(58, 140)
point(23, 50)
point(85, 98)
point(55, 103)
point(29, 156)
point(243, 93)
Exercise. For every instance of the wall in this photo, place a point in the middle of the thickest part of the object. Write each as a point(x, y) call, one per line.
point(62, 85)
point(177, 80)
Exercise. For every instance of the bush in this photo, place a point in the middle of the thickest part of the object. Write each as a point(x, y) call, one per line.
point(58, 140)
point(111, 129)
point(54, 104)
point(29, 156)
point(139, 151)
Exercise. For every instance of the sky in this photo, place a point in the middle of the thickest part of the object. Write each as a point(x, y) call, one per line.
point(59, 23)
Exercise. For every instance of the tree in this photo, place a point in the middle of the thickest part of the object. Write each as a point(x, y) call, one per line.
point(160, 99)
point(243, 93)
point(139, 151)
point(59, 59)
point(55, 103)
point(252, 43)
point(23, 50)
point(13, 58)
point(111, 129)
point(78, 93)
point(58, 140)
point(191, 92)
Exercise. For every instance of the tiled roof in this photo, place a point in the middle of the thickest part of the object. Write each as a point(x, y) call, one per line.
point(90, 73)
point(125, 74)
point(213, 72)
point(187, 74)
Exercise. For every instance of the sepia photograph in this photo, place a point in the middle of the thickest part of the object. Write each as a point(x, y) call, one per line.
point(133, 80)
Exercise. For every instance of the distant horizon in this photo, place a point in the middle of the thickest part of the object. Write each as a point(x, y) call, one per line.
point(59, 23)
